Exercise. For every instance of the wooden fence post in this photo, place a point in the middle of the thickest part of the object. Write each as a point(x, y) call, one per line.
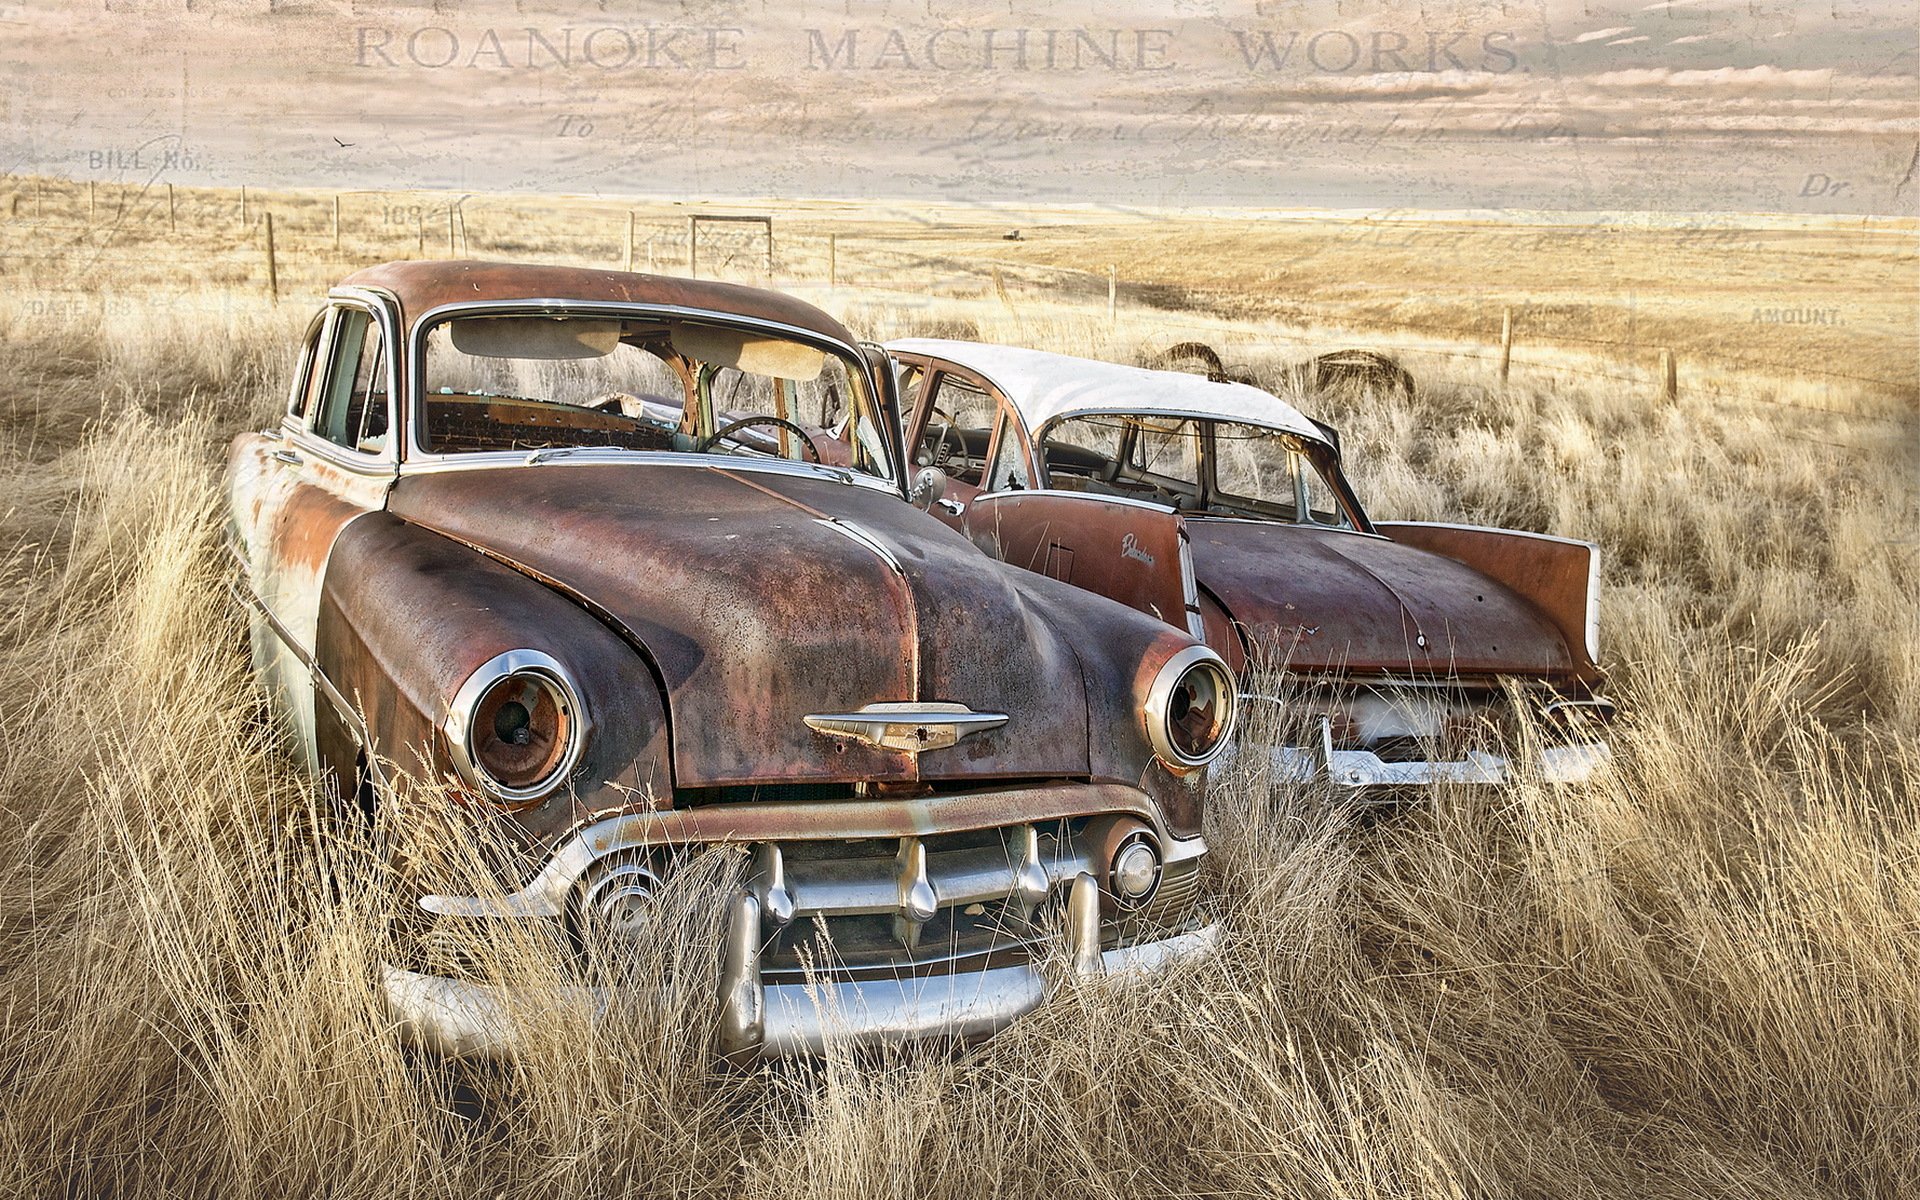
point(421, 215)
point(1669, 377)
point(336, 222)
point(173, 223)
point(273, 267)
point(652, 266)
point(693, 271)
point(833, 260)
point(243, 205)
point(452, 252)
point(629, 252)
point(1506, 342)
point(1113, 293)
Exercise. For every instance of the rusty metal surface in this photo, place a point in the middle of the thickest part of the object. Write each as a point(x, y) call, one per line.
point(407, 615)
point(1324, 599)
point(421, 286)
point(764, 598)
point(285, 517)
point(1127, 552)
point(1556, 574)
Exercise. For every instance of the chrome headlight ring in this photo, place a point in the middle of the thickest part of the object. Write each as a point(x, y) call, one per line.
point(463, 732)
point(1185, 688)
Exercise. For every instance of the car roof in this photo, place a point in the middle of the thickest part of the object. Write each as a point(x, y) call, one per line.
point(1044, 387)
point(423, 286)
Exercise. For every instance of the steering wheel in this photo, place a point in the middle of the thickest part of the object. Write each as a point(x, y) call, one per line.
point(706, 443)
point(940, 454)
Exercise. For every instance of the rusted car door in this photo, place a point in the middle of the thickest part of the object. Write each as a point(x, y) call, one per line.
point(1127, 550)
point(332, 459)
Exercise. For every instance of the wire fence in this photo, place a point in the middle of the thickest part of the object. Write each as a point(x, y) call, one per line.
point(185, 243)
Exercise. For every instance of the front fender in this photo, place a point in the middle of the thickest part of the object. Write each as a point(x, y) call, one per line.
point(406, 615)
point(1120, 651)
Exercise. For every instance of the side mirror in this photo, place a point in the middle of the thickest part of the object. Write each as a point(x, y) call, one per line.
point(929, 484)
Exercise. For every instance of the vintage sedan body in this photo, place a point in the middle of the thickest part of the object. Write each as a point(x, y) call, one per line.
point(1222, 510)
point(502, 540)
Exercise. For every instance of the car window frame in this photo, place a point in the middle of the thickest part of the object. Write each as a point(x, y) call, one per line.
point(309, 437)
point(1349, 500)
point(420, 458)
point(315, 353)
point(1007, 420)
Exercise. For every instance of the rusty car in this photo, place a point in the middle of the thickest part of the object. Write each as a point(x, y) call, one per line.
point(627, 563)
point(1221, 509)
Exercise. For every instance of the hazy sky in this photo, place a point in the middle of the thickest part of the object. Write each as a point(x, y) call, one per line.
point(1696, 104)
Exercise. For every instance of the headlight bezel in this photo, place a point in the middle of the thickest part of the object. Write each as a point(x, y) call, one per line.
point(1164, 700)
point(463, 730)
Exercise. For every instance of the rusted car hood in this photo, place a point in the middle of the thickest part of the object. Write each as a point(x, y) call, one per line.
point(761, 598)
point(1322, 599)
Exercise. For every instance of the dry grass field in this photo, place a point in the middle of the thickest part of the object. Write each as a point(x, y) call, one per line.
point(1699, 978)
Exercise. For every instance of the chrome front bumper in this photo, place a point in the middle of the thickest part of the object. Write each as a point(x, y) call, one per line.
point(894, 989)
point(459, 1018)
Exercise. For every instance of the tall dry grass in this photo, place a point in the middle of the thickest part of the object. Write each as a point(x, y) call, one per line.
point(1700, 978)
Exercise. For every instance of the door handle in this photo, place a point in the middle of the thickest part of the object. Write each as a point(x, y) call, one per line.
point(289, 457)
point(952, 507)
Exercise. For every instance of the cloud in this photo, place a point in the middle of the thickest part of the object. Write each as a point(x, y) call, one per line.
point(1630, 41)
point(1691, 38)
point(1770, 77)
point(1595, 35)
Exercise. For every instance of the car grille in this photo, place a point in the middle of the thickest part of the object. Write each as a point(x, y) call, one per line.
point(847, 908)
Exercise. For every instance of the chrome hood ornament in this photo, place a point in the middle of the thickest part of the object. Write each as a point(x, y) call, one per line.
point(909, 726)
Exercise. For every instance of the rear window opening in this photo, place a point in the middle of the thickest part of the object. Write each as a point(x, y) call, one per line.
point(1196, 465)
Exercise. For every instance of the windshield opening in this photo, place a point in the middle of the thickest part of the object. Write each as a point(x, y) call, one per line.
point(528, 382)
point(1198, 466)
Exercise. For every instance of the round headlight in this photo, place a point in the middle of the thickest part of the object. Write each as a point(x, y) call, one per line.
point(1190, 709)
point(514, 727)
point(1135, 873)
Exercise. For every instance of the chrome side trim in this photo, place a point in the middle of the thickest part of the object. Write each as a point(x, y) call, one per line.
point(1062, 493)
point(1220, 519)
point(244, 595)
point(862, 536)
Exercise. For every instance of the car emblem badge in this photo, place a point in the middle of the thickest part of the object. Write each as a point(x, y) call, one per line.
point(910, 726)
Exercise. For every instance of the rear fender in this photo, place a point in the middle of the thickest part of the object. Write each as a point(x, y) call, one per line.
point(1559, 576)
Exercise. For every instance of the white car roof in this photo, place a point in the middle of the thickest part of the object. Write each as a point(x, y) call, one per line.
point(1044, 387)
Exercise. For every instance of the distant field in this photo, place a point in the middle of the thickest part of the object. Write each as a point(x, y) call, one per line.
point(1697, 978)
point(1818, 302)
